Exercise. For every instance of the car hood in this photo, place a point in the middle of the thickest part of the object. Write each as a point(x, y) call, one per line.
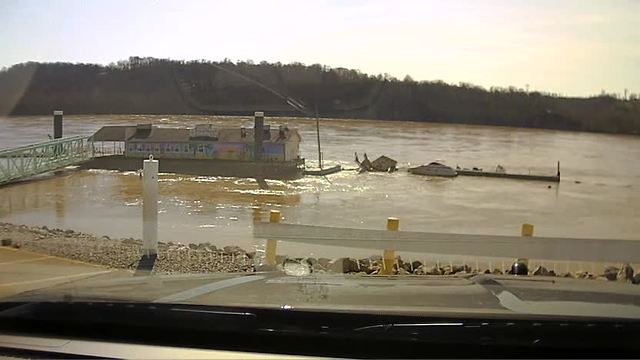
point(470, 295)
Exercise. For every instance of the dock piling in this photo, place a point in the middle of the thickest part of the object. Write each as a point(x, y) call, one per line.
point(150, 207)
point(57, 124)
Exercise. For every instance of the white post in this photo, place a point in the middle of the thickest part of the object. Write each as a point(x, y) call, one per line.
point(150, 207)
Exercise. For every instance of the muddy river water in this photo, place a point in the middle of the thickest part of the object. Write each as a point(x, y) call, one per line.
point(598, 196)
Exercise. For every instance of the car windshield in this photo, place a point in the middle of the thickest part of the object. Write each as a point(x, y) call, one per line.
point(430, 157)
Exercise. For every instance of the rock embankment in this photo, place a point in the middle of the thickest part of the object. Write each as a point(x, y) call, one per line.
point(125, 253)
point(374, 265)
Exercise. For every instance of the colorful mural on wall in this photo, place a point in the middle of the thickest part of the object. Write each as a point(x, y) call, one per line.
point(205, 150)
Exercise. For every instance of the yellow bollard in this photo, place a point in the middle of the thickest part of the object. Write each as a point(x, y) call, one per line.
point(270, 253)
point(527, 230)
point(389, 256)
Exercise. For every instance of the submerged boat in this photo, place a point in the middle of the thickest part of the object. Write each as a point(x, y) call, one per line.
point(259, 152)
point(381, 164)
point(434, 169)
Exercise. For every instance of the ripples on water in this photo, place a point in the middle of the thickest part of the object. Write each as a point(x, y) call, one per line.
point(604, 204)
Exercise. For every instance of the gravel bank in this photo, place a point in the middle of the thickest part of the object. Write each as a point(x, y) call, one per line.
point(124, 253)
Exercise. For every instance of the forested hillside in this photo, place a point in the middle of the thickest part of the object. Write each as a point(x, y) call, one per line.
point(157, 86)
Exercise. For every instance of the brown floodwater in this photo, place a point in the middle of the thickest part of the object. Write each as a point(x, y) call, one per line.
point(598, 197)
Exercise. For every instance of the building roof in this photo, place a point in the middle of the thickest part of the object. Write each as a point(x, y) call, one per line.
point(158, 134)
point(235, 135)
point(111, 133)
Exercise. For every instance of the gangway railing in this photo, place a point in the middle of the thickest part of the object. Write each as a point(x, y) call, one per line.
point(26, 161)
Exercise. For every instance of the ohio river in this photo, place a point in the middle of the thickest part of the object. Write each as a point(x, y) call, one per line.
point(598, 197)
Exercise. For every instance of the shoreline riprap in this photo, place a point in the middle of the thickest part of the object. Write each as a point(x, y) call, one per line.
point(124, 253)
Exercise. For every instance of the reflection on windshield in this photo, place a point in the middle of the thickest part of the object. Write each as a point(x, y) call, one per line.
point(294, 186)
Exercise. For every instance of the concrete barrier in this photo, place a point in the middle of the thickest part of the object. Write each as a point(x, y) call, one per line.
point(492, 246)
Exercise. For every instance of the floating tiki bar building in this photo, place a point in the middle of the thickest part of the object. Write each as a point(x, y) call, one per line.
point(260, 152)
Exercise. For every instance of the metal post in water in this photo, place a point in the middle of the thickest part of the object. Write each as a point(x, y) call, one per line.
point(150, 207)
point(57, 124)
point(258, 135)
point(318, 136)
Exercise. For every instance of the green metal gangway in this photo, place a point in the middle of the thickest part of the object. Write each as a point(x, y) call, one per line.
point(26, 161)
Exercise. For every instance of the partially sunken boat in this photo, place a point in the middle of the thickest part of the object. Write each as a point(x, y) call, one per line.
point(260, 152)
point(381, 164)
point(434, 169)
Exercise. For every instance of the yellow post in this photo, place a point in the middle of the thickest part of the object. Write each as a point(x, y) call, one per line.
point(389, 256)
point(527, 230)
point(270, 253)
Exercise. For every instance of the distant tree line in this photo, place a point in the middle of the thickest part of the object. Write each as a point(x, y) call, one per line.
point(144, 85)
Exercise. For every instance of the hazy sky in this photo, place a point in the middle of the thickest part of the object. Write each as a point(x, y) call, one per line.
point(571, 47)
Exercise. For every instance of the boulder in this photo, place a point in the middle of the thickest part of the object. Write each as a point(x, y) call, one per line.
point(344, 265)
point(406, 267)
point(317, 268)
point(541, 271)
point(324, 262)
point(582, 274)
point(193, 246)
point(496, 272)
point(626, 273)
point(446, 270)
point(372, 269)
point(434, 270)
point(402, 271)
point(296, 268)
point(5, 242)
point(233, 250)
point(416, 264)
point(611, 273)
point(519, 267)
point(460, 268)
point(636, 278)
